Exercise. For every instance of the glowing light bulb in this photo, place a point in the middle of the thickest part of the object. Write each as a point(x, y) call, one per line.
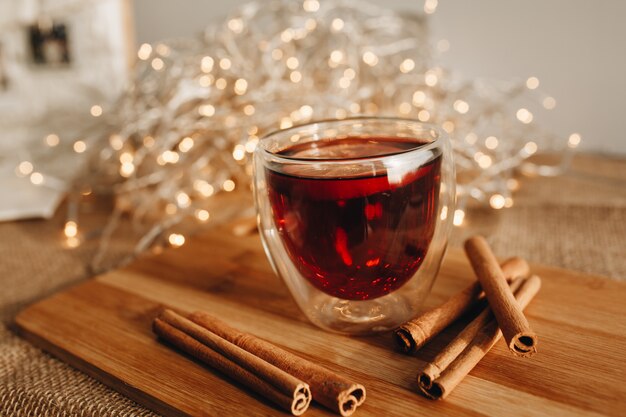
point(248, 109)
point(484, 161)
point(170, 157)
point(116, 142)
point(491, 142)
point(52, 140)
point(163, 49)
point(532, 83)
point(186, 144)
point(471, 138)
point(229, 185)
point(221, 83)
point(337, 24)
point(71, 229)
point(157, 64)
point(144, 52)
point(277, 54)
point(407, 65)
point(202, 215)
point(295, 76)
point(287, 35)
point(524, 116)
point(404, 108)
point(183, 200)
point(206, 110)
point(206, 64)
point(36, 178)
point(127, 169)
point(461, 106)
point(176, 240)
point(239, 152)
point(430, 6)
point(292, 62)
point(206, 80)
point(126, 157)
point(370, 58)
point(512, 184)
point(549, 103)
point(148, 141)
point(203, 187)
point(80, 146)
point(236, 25)
point(430, 78)
point(574, 140)
point(225, 63)
point(530, 148)
point(241, 85)
point(419, 98)
point(423, 115)
point(336, 56)
point(25, 168)
point(251, 145)
point(497, 201)
point(96, 110)
point(306, 111)
point(311, 5)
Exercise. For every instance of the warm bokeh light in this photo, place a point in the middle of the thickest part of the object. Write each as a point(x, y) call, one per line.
point(52, 140)
point(229, 185)
point(96, 110)
point(80, 146)
point(532, 83)
point(176, 240)
point(497, 201)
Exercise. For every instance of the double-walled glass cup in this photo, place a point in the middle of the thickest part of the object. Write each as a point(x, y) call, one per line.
point(354, 215)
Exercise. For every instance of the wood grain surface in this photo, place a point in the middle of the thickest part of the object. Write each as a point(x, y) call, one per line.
point(102, 327)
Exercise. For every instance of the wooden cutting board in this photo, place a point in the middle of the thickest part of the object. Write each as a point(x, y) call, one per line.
point(102, 327)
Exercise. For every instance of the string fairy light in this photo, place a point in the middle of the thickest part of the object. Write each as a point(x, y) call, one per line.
point(176, 239)
point(185, 130)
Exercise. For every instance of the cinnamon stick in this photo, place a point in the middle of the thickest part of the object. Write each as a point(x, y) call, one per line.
point(328, 388)
point(283, 389)
point(441, 386)
point(519, 337)
point(414, 334)
point(433, 369)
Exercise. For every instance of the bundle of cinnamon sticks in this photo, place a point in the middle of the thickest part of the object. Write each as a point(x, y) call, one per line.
point(507, 290)
point(283, 378)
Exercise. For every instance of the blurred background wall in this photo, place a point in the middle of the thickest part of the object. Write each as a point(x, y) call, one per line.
point(576, 48)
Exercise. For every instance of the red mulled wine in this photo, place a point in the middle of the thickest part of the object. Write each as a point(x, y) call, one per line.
point(355, 234)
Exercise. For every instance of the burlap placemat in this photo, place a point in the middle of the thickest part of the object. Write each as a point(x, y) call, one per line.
point(577, 221)
point(35, 384)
